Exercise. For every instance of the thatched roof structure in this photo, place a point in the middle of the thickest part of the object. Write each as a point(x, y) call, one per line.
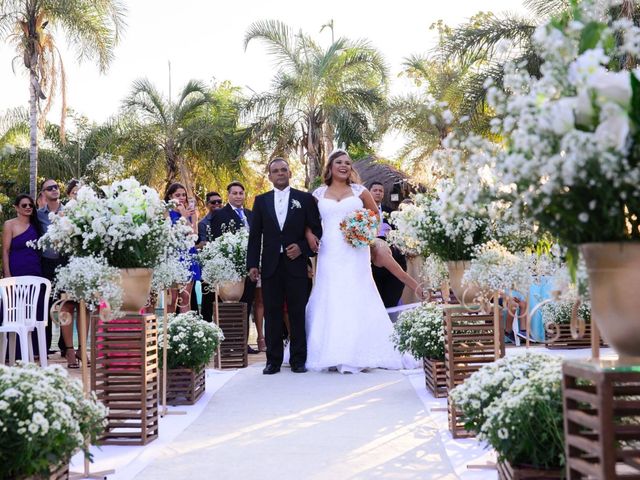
point(396, 182)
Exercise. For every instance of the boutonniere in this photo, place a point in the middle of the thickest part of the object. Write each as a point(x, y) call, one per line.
point(295, 204)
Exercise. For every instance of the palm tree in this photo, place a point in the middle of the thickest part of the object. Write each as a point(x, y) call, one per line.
point(199, 132)
point(92, 27)
point(319, 96)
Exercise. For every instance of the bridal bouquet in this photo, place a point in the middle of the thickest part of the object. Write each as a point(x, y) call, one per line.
point(225, 259)
point(44, 419)
point(360, 227)
point(573, 134)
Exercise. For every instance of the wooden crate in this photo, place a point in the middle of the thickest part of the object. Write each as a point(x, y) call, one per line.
point(566, 340)
point(233, 322)
point(471, 341)
point(508, 472)
point(435, 377)
point(185, 385)
point(601, 420)
point(125, 377)
point(59, 472)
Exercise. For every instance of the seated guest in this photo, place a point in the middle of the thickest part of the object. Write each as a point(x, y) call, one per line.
point(389, 286)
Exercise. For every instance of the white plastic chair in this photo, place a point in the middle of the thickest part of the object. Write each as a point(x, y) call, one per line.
point(19, 298)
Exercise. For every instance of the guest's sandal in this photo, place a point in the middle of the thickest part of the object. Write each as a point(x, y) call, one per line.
point(72, 361)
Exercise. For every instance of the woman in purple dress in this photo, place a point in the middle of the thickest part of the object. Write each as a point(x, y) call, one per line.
point(18, 256)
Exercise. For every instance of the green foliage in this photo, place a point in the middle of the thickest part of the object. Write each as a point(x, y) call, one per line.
point(420, 332)
point(191, 341)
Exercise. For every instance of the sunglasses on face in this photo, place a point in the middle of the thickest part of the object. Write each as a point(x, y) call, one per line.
point(215, 202)
point(26, 205)
point(51, 188)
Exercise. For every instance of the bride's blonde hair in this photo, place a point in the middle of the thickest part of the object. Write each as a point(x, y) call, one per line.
point(328, 177)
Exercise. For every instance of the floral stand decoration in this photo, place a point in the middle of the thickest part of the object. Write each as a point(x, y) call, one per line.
point(224, 264)
point(515, 405)
point(572, 138)
point(128, 226)
point(191, 343)
point(420, 332)
point(44, 419)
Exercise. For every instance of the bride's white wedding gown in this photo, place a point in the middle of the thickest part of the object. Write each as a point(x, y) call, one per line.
point(346, 322)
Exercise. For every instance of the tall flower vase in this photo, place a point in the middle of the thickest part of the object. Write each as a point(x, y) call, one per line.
point(614, 283)
point(465, 295)
point(414, 269)
point(136, 285)
point(231, 291)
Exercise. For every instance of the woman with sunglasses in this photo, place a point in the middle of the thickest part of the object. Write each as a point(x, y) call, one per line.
point(18, 256)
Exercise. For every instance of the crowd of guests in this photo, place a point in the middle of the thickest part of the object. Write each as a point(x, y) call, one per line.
point(32, 220)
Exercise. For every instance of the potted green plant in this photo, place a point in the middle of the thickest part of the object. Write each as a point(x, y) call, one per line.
point(191, 342)
point(515, 405)
point(420, 332)
point(44, 419)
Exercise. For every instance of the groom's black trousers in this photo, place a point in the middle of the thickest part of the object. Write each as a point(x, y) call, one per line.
point(277, 289)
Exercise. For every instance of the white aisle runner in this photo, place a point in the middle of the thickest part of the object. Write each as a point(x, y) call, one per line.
point(308, 426)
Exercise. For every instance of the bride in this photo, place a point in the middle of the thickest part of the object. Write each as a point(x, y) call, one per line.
point(347, 325)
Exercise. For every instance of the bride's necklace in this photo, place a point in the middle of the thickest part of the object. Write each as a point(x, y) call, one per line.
point(345, 193)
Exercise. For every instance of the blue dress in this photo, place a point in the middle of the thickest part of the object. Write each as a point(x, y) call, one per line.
point(194, 266)
point(24, 259)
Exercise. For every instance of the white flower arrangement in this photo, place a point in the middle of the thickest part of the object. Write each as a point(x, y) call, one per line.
point(128, 227)
point(224, 260)
point(44, 419)
point(104, 168)
point(434, 272)
point(174, 270)
point(191, 341)
point(420, 331)
point(560, 312)
point(407, 220)
point(515, 404)
point(295, 204)
point(495, 269)
point(91, 279)
point(572, 134)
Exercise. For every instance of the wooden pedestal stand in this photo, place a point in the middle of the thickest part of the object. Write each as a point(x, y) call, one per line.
point(86, 385)
point(165, 315)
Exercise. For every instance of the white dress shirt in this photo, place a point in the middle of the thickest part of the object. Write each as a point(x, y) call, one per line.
point(281, 204)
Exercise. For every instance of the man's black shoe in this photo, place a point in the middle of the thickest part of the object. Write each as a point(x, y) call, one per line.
point(270, 369)
point(298, 369)
point(252, 351)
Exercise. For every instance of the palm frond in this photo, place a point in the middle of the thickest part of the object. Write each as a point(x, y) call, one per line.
point(278, 37)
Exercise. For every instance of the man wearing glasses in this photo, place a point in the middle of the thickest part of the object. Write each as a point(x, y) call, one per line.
point(50, 258)
point(214, 203)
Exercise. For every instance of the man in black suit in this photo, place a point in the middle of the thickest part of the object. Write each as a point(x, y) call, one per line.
point(280, 218)
point(214, 203)
point(232, 217)
point(389, 287)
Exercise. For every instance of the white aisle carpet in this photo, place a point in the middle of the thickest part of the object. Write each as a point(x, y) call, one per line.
point(308, 426)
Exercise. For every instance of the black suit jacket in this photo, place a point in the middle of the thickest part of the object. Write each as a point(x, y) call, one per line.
point(226, 219)
point(265, 233)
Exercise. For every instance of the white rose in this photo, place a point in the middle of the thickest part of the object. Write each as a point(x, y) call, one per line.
point(584, 112)
point(562, 116)
point(613, 132)
point(611, 87)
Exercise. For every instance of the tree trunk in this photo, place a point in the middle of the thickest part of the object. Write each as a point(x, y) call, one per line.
point(314, 149)
point(33, 130)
